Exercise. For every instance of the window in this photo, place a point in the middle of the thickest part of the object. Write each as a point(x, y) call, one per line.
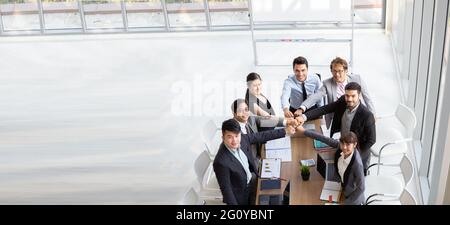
point(61, 14)
point(229, 12)
point(103, 14)
point(186, 13)
point(20, 15)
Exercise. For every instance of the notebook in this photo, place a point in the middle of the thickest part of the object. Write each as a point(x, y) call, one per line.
point(270, 184)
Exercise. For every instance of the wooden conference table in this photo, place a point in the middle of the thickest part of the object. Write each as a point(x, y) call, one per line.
point(301, 192)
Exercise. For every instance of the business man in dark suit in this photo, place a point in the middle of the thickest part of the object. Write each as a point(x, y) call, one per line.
point(348, 165)
point(234, 164)
point(349, 115)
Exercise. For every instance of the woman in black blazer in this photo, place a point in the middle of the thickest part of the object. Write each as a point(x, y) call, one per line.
point(348, 164)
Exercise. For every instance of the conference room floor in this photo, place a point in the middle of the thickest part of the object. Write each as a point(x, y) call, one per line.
point(116, 119)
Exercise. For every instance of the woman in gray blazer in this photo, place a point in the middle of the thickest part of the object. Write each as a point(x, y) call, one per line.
point(348, 164)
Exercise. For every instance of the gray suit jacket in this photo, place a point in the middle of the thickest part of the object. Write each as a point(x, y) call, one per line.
point(354, 180)
point(329, 89)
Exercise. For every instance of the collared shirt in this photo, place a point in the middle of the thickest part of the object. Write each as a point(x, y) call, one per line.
point(343, 164)
point(340, 91)
point(243, 128)
point(292, 90)
point(242, 158)
point(347, 118)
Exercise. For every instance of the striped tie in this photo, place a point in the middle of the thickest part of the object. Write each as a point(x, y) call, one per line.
point(340, 90)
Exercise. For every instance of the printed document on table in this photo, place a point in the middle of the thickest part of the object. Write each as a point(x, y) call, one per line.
point(279, 148)
point(283, 154)
point(279, 143)
point(271, 168)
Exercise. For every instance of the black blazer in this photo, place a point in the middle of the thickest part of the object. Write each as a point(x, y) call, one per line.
point(231, 175)
point(363, 124)
point(353, 183)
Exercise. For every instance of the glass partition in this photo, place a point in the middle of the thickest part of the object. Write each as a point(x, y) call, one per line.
point(186, 13)
point(61, 14)
point(228, 12)
point(20, 15)
point(144, 13)
point(104, 14)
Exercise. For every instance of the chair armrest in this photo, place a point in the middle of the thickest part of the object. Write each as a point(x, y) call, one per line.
point(378, 154)
point(372, 165)
point(385, 116)
point(393, 198)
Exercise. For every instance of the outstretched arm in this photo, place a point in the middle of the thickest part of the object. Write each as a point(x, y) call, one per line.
point(318, 136)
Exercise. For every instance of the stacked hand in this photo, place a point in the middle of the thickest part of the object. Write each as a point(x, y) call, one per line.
point(290, 130)
point(300, 120)
point(298, 113)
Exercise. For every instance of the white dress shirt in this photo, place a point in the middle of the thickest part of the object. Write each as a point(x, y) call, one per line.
point(243, 128)
point(343, 164)
point(242, 158)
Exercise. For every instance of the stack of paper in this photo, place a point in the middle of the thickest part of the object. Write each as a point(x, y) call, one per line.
point(271, 168)
point(279, 148)
point(331, 191)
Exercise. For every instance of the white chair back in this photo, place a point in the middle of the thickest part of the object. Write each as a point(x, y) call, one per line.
point(191, 198)
point(201, 166)
point(407, 117)
point(209, 133)
point(407, 169)
point(209, 130)
point(406, 198)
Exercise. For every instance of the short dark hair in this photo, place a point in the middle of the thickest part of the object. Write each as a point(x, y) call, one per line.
point(353, 86)
point(236, 103)
point(339, 60)
point(231, 125)
point(253, 76)
point(349, 138)
point(299, 61)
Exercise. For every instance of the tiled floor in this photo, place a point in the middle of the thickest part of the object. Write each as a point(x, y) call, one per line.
point(115, 119)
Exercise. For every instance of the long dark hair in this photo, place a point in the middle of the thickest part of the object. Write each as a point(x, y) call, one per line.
point(251, 77)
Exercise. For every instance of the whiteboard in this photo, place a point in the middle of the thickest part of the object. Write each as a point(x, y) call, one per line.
point(301, 10)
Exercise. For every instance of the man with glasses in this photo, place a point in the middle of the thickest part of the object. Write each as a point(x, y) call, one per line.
point(333, 88)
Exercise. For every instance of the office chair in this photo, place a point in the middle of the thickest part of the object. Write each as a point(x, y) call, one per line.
point(209, 186)
point(394, 131)
point(379, 185)
point(192, 198)
point(405, 198)
point(210, 138)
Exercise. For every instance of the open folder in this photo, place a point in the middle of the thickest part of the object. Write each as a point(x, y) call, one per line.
point(271, 168)
point(331, 191)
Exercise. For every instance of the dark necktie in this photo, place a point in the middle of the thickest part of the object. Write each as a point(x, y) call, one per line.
point(247, 127)
point(304, 91)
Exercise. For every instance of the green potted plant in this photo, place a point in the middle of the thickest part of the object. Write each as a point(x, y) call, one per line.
point(304, 170)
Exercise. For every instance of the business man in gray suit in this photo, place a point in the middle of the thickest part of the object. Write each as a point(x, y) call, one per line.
point(348, 164)
point(333, 88)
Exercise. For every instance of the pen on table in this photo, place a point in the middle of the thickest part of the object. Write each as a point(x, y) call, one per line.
point(279, 178)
